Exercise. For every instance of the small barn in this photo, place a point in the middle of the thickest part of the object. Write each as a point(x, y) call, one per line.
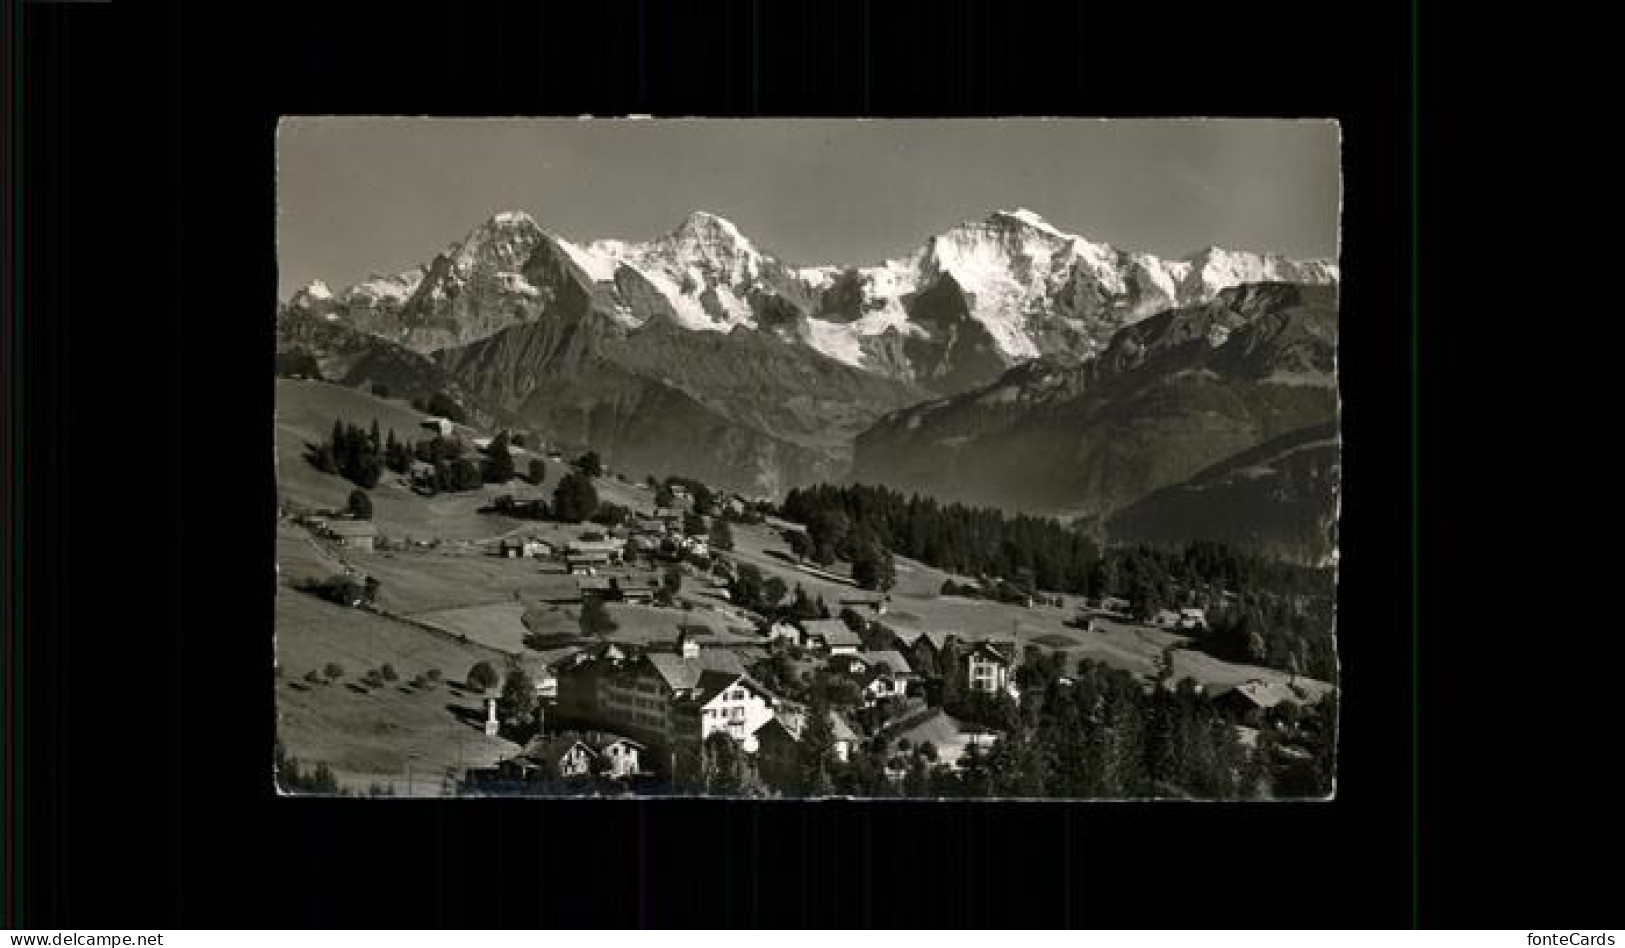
point(353, 534)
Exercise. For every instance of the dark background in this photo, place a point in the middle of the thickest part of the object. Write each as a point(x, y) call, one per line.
point(144, 787)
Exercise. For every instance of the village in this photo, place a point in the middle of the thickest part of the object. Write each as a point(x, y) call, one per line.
point(678, 641)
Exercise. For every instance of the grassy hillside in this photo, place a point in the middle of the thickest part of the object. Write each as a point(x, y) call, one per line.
point(370, 735)
point(917, 605)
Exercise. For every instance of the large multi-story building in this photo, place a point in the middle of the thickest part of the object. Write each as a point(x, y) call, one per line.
point(669, 699)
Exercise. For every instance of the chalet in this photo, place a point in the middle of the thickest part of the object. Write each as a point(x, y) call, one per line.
point(649, 527)
point(639, 589)
point(554, 757)
point(879, 675)
point(784, 630)
point(619, 758)
point(670, 516)
point(1255, 695)
point(777, 752)
point(778, 743)
point(830, 635)
point(593, 553)
point(353, 534)
point(1165, 619)
point(1192, 619)
point(951, 738)
point(987, 666)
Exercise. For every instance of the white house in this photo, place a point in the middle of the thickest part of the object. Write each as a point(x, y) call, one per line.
point(734, 705)
point(986, 668)
point(618, 757)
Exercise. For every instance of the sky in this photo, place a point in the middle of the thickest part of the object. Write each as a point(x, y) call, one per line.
point(363, 196)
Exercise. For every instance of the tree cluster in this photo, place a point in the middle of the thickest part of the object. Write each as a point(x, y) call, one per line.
point(293, 777)
point(978, 541)
point(575, 498)
point(351, 452)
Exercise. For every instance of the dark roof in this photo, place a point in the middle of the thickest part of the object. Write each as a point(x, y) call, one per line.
point(682, 674)
point(838, 726)
point(553, 747)
point(891, 657)
point(1005, 649)
point(911, 637)
point(1261, 694)
point(601, 740)
point(938, 727)
point(712, 683)
point(833, 631)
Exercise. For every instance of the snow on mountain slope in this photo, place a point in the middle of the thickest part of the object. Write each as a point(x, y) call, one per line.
point(699, 268)
point(385, 289)
point(1033, 288)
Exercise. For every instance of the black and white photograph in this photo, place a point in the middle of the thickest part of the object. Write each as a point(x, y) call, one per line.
point(991, 459)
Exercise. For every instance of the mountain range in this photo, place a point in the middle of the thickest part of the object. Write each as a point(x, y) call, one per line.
point(1002, 361)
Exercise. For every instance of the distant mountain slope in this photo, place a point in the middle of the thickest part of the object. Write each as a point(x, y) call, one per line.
point(742, 410)
point(1278, 499)
point(1169, 396)
point(953, 314)
point(351, 357)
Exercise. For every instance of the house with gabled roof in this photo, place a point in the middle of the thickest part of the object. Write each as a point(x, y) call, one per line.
point(1255, 695)
point(619, 758)
point(831, 635)
point(874, 602)
point(878, 675)
point(778, 746)
point(988, 664)
point(923, 648)
point(949, 738)
point(552, 757)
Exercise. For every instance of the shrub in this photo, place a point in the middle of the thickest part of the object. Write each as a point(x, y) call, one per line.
point(483, 676)
point(388, 673)
point(334, 671)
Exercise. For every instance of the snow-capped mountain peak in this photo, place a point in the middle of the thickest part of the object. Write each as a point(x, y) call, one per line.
point(501, 244)
point(1014, 287)
point(1029, 218)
